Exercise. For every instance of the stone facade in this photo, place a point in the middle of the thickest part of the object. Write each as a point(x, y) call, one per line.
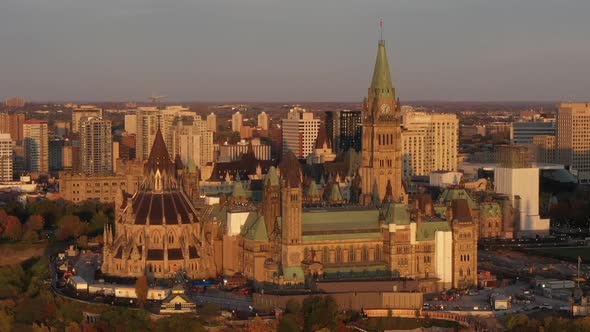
point(157, 231)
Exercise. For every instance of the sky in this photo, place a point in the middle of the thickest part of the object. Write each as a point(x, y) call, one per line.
point(285, 50)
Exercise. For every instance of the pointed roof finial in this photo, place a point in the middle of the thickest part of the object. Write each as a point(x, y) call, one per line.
point(381, 29)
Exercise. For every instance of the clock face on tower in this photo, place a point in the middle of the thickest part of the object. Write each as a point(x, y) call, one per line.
point(385, 109)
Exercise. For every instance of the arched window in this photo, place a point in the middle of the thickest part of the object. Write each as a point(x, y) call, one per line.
point(460, 272)
point(170, 238)
point(338, 255)
point(365, 254)
point(326, 255)
point(351, 256)
point(378, 253)
point(468, 271)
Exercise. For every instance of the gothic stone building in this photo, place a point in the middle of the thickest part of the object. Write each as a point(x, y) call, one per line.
point(157, 231)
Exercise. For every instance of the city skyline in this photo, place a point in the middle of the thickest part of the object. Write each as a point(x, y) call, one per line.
point(228, 50)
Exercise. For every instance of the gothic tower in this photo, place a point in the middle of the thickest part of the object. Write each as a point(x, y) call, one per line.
point(381, 143)
point(291, 210)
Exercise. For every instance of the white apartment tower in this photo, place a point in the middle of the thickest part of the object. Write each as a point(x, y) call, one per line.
point(429, 143)
point(36, 146)
point(300, 130)
point(148, 120)
point(81, 112)
point(236, 122)
point(5, 157)
point(96, 146)
point(263, 121)
point(193, 142)
point(212, 122)
point(573, 138)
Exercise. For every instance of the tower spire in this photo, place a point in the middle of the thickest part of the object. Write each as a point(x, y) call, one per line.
point(381, 81)
point(381, 29)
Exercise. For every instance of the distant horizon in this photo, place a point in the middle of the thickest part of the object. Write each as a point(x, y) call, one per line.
point(181, 102)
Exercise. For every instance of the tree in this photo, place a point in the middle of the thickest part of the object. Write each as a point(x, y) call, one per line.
point(141, 289)
point(288, 323)
point(259, 325)
point(179, 322)
point(320, 312)
point(6, 321)
point(70, 226)
point(13, 229)
point(124, 320)
point(35, 223)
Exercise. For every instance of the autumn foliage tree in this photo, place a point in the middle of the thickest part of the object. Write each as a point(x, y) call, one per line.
point(141, 289)
point(70, 226)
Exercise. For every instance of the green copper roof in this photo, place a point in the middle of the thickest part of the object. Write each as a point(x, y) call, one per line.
point(340, 221)
point(381, 81)
point(426, 230)
point(219, 212)
point(376, 198)
point(397, 213)
point(451, 194)
point(272, 178)
point(312, 190)
point(490, 210)
point(327, 236)
point(191, 166)
point(254, 228)
point(238, 190)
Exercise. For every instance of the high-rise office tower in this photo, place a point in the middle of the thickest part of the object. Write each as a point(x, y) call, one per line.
point(81, 112)
point(544, 146)
point(430, 143)
point(149, 119)
point(5, 157)
point(523, 132)
point(300, 130)
point(36, 146)
point(15, 102)
point(212, 122)
point(381, 165)
point(573, 138)
point(131, 123)
point(56, 154)
point(96, 146)
point(263, 121)
point(236, 122)
point(13, 124)
point(345, 129)
point(193, 143)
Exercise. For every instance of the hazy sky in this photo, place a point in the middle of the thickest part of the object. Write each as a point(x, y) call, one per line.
point(279, 50)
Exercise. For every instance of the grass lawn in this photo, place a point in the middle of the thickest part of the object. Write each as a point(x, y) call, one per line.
point(567, 254)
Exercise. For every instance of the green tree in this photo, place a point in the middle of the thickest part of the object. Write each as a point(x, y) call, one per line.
point(124, 320)
point(35, 223)
point(141, 289)
point(288, 323)
point(12, 280)
point(320, 312)
point(293, 307)
point(181, 322)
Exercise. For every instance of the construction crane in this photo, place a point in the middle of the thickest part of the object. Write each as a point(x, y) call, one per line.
point(156, 99)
